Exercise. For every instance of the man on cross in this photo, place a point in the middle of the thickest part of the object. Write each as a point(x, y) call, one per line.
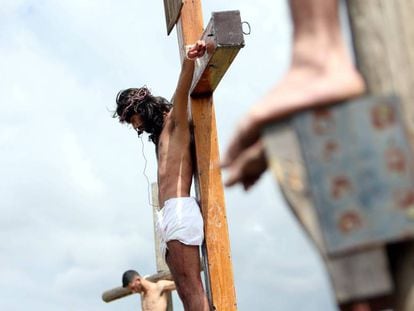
point(153, 295)
point(180, 224)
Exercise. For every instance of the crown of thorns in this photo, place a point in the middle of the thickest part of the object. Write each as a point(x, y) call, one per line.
point(141, 94)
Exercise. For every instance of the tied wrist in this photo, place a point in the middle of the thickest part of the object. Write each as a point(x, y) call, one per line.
point(187, 48)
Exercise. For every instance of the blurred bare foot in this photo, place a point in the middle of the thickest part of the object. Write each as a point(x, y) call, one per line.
point(321, 73)
point(248, 167)
point(311, 82)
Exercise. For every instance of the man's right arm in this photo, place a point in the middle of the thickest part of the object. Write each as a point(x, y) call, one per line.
point(180, 110)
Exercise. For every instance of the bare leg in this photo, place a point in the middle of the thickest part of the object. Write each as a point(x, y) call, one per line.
point(184, 264)
point(321, 73)
point(357, 307)
point(374, 304)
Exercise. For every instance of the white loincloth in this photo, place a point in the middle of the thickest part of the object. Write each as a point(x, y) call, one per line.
point(180, 219)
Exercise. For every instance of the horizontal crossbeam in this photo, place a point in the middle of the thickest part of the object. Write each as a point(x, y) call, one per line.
point(224, 38)
point(120, 292)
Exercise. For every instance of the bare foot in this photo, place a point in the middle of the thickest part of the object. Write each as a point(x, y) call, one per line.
point(248, 167)
point(311, 82)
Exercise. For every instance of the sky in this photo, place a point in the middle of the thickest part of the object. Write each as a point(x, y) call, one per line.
point(75, 210)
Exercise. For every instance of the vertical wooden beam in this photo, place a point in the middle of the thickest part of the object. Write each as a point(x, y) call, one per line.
point(161, 264)
point(383, 32)
point(212, 200)
point(222, 295)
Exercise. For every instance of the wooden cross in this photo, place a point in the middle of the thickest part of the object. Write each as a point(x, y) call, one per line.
point(224, 38)
point(121, 292)
point(163, 272)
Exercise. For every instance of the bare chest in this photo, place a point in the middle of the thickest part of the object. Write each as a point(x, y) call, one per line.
point(154, 301)
point(175, 167)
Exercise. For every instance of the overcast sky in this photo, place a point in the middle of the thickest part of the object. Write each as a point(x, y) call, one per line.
point(74, 204)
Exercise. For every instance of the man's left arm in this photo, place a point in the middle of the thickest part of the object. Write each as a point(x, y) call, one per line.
point(166, 285)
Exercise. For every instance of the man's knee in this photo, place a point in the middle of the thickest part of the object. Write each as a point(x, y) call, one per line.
point(183, 276)
point(191, 294)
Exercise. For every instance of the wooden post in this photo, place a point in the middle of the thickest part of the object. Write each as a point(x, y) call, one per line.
point(384, 37)
point(353, 276)
point(161, 264)
point(224, 38)
point(219, 272)
point(163, 273)
point(383, 32)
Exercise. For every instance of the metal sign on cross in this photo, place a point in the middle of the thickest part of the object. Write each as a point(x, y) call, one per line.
point(224, 38)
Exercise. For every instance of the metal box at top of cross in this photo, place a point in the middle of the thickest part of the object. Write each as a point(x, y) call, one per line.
point(224, 38)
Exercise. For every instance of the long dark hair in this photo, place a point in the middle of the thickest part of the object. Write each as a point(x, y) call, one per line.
point(150, 108)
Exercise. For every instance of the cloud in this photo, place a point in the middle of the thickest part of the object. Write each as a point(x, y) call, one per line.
point(79, 168)
point(75, 207)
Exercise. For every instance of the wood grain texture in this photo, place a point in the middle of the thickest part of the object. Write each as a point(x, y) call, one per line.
point(383, 32)
point(360, 172)
point(161, 264)
point(213, 205)
point(219, 271)
point(172, 9)
point(348, 274)
point(224, 38)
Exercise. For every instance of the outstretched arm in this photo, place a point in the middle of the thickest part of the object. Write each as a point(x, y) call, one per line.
point(181, 94)
point(166, 285)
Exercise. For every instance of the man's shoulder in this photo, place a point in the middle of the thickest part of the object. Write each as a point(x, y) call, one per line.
point(172, 127)
point(149, 284)
point(169, 123)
